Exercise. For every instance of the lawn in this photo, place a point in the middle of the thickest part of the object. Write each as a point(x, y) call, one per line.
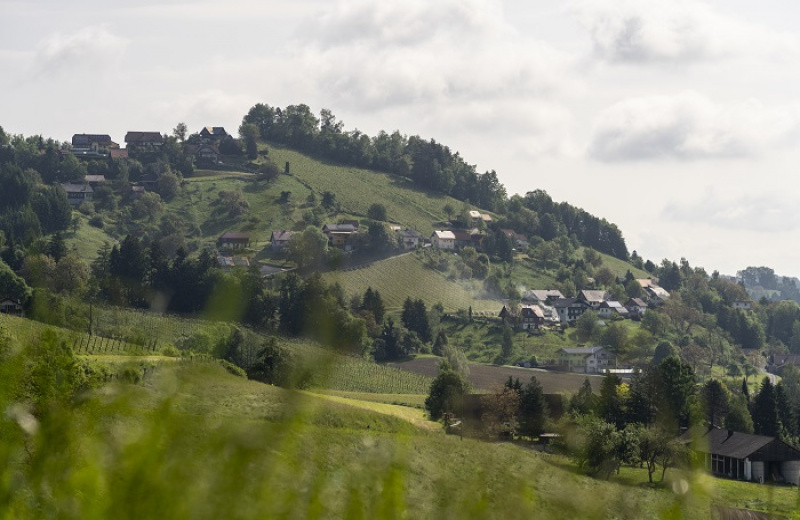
point(407, 276)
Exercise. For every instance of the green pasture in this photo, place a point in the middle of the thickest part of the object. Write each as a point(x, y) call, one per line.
point(407, 276)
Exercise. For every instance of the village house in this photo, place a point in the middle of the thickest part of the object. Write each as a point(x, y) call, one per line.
point(411, 238)
point(443, 240)
point(213, 134)
point(593, 298)
point(77, 194)
point(12, 307)
point(569, 309)
point(94, 180)
point(636, 307)
point(542, 296)
point(280, 239)
point(744, 456)
point(610, 308)
point(656, 295)
point(92, 145)
point(744, 305)
point(233, 241)
point(527, 317)
point(203, 153)
point(143, 141)
point(586, 360)
point(520, 241)
point(339, 235)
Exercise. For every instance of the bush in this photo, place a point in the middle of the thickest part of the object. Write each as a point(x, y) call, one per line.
point(97, 221)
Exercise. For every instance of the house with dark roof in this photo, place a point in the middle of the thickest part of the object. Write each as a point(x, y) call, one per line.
point(411, 238)
point(12, 307)
point(143, 140)
point(744, 456)
point(203, 153)
point(569, 309)
point(280, 239)
point(233, 240)
point(92, 145)
point(586, 360)
point(527, 317)
point(339, 235)
point(77, 194)
point(214, 133)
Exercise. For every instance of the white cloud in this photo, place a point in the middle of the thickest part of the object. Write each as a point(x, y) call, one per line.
point(374, 54)
point(689, 126)
point(631, 31)
point(760, 212)
point(93, 48)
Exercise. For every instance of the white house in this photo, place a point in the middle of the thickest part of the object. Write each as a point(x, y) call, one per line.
point(443, 239)
point(612, 308)
point(586, 360)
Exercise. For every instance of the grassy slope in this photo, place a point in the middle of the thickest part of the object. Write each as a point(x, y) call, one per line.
point(88, 239)
point(266, 452)
point(356, 189)
point(406, 276)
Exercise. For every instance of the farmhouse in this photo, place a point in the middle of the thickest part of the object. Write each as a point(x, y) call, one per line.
point(411, 238)
point(528, 317)
point(569, 309)
point(213, 133)
point(593, 298)
point(610, 308)
point(339, 234)
point(586, 360)
point(443, 239)
point(744, 305)
point(744, 456)
point(542, 296)
point(232, 240)
point(280, 239)
point(636, 307)
point(77, 194)
point(92, 145)
point(12, 307)
point(143, 140)
point(94, 180)
point(203, 153)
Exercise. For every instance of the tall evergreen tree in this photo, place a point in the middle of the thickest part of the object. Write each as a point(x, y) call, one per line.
point(532, 409)
point(765, 410)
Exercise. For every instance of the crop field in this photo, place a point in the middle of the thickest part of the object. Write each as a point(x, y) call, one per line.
point(485, 377)
point(404, 202)
point(358, 375)
point(406, 276)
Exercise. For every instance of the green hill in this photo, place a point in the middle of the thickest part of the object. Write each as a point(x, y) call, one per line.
point(407, 276)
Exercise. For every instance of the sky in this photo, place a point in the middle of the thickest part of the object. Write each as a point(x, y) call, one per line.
point(678, 121)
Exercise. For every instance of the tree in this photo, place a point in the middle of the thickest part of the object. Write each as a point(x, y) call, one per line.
point(273, 365)
point(587, 326)
point(715, 399)
point(500, 409)
point(448, 210)
point(308, 249)
point(446, 394)
point(179, 132)
point(57, 247)
point(507, 344)
point(249, 133)
point(679, 388)
point(611, 404)
point(377, 211)
point(584, 402)
point(532, 409)
point(765, 410)
point(328, 199)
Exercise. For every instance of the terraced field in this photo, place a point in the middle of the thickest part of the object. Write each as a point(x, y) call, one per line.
point(406, 276)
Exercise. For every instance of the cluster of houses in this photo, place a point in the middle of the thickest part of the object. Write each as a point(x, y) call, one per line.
point(100, 146)
point(549, 307)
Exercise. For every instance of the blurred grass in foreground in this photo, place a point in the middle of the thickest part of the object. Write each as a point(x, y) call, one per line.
point(192, 441)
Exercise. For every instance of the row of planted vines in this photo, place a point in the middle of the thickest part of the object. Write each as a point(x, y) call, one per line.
point(358, 375)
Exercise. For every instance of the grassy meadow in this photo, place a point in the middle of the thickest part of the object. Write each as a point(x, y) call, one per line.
point(407, 276)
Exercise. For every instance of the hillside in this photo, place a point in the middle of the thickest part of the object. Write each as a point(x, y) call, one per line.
point(407, 276)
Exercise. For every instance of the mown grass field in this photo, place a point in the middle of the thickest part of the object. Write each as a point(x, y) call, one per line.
point(357, 189)
point(406, 276)
point(87, 240)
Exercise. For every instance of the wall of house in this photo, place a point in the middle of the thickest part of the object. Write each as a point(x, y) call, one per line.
point(790, 470)
point(758, 471)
